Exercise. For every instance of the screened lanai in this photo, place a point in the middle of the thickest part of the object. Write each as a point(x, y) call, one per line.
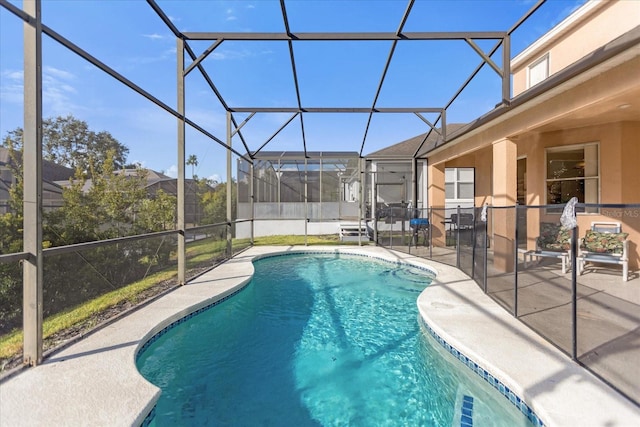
point(291, 188)
point(290, 112)
point(317, 118)
point(360, 101)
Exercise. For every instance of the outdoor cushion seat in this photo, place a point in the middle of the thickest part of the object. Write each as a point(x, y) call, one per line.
point(554, 242)
point(604, 243)
point(600, 245)
point(553, 237)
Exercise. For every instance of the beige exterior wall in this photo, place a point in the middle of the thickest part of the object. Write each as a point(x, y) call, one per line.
point(595, 100)
point(597, 23)
point(619, 149)
point(504, 194)
point(630, 143)
point(556, 111)
point(435, 189)
point(619, 176)
point(555, 121)
point(481, 161)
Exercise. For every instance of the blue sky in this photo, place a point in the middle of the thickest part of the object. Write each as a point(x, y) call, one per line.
point(128, 36)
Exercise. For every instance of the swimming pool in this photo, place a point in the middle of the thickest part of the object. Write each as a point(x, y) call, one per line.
point(321, 339)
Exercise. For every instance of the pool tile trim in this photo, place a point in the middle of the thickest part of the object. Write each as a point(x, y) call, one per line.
point(425, 268)
point(485, 375)
point(141, 349)
point(466, 411)
point(183, 319)
point(149, 418)
point(206, 307)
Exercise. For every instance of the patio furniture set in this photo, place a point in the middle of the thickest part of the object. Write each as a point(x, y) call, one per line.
point(603, 243)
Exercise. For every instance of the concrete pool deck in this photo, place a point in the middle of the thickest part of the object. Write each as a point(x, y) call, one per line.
point(95, 381)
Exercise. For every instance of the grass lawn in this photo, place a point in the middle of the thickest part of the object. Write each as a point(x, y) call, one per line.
point(63, 326)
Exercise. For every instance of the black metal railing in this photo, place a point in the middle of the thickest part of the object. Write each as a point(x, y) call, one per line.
point(546, 276)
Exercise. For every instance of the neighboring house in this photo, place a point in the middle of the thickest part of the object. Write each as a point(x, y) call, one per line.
point(193, 212)
point(51, 172)
point(572, 128)
point(319, 192)
point(56, 177)
point(158, 181)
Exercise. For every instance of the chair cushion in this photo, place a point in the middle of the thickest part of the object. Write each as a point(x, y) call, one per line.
point(554, 237)
point(611, 243)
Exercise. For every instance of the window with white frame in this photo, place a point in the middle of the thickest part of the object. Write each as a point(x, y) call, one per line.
point(459, 186)
point(539, 70)
point(573, 171)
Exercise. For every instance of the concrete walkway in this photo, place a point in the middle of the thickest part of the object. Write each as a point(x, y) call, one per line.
point(95, 381)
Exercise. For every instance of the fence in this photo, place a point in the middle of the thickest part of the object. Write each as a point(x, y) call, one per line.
point(520, 256)
point(566, 284)
point(91, 283)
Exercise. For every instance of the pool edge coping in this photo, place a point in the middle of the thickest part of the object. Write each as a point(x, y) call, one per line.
point(505, 391)
point(558, 390)
point(230, 276)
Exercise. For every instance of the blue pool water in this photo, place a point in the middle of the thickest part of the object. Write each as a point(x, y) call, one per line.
point(317, 340)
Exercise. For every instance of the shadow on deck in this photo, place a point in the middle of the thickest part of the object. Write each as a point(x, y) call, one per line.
point(607, 309)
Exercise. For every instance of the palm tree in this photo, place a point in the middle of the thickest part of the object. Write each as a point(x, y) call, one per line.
point(193, 161)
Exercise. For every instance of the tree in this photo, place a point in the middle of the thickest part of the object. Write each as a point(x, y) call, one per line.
point(11, 222)
point(10, 233)
point(115, 204)
point(193, 161)
point(69, 142)
point(106, 210)
point(214, 204)
point(158, 213)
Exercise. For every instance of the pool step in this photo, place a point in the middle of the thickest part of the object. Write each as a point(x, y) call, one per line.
point(353, 232)
point(466, 411)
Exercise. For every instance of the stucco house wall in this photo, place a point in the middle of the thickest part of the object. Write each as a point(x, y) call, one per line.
point(592, 99)
point(617, 142)
point(593, 25)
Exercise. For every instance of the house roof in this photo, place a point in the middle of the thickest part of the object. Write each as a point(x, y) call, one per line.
point(51, 172)
point(4, 156)
point(407, 148)
point(4, 185)
point(152, 176)
point(55, 172)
